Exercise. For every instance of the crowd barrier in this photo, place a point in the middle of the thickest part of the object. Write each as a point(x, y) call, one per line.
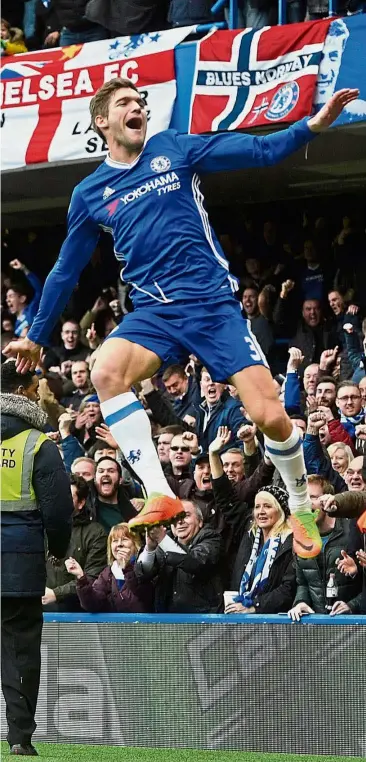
point(250, 683)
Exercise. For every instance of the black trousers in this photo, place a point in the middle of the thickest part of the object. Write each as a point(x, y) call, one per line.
point(21, 632)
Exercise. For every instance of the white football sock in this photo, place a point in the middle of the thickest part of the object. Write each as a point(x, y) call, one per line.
point(130, 426)
point(288, 458)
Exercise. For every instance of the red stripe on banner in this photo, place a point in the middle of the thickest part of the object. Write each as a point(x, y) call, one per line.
point(40, 142)
point(217, 47)
point(280, 40)
point(206, 109)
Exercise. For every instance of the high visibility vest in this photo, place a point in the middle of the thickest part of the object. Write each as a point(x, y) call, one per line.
point(17, 459)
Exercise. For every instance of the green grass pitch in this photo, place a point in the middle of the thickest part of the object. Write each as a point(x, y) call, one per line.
point(52, 752)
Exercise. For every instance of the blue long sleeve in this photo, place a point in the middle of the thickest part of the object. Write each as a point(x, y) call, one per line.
point(71, 449)
point(317, 463)
point(31, 309)
point(235, 150)
point(76, 251)
point(292, 394)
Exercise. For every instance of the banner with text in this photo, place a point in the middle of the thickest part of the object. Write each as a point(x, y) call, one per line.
point(249, 78)
point(45, 95)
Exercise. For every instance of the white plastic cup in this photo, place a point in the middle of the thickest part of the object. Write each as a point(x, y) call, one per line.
point(229, 596)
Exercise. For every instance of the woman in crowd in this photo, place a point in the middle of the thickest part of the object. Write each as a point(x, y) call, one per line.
point(264, 573)
point(340, 455)
point(117, 589)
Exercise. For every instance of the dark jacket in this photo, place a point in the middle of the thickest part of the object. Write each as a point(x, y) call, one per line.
point(233, 506)
point(186, 12)
point(47, 21)
point(352, 505)
point(227, 412)
point(88, 545)
point(212, 517)
point(188, 583)
point(235, 501)
point(189, 402)
point(236, 504)
point(313, 342)
point(312, 574)
point(278, 593)
point(128, 17)
point(263, 332)
point(23, 563)
point(103, 594)
point(71, 14)
point(55, 356)
point(123, 508)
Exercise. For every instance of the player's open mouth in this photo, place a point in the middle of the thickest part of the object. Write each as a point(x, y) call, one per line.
point(134, 123)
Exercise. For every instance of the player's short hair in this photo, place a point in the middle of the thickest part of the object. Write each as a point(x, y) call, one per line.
point(99, 104)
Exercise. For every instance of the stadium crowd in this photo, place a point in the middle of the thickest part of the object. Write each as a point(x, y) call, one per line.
point(36, 24)
point(303, 294)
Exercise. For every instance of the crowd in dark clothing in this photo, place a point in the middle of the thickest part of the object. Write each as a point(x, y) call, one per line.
point(36, 24)
point(302, 292)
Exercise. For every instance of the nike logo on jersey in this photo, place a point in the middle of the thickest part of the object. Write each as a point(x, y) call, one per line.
point(107, 192)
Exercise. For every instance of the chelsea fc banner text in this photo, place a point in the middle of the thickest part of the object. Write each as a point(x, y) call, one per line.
point(45, 95)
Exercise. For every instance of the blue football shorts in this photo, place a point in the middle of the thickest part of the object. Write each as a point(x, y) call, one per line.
point(217, 334)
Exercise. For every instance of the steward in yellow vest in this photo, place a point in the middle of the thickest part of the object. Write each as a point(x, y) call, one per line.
point(36, 509)
point(35, 498)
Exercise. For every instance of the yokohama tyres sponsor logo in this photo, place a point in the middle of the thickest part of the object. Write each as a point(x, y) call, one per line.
point(162, 184)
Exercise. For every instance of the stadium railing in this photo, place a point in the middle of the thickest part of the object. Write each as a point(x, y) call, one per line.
point(232, 14)
point(248, 683)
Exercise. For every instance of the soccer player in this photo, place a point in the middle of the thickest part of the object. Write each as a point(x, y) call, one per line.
point(148, 196)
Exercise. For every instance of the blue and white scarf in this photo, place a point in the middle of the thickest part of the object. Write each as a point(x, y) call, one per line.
point(259, 564)
point(118, 574)
point(349, 422)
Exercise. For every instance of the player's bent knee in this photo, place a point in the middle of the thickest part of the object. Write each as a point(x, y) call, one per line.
point(270, 416)
point(108, 381)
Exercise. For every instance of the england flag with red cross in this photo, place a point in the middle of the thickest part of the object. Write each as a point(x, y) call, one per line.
point(249, 78)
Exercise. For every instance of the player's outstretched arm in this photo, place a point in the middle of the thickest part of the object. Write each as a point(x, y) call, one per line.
point(76, 251)
point(235, 150)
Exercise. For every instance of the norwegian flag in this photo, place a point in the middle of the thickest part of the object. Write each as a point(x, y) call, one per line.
point(45, 95)
point(254, 77)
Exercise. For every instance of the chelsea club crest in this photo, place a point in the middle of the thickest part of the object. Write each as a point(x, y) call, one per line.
point(283, 101)
point(160, 164)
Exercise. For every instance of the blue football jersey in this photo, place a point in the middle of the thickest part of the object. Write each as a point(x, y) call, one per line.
point(154, 209)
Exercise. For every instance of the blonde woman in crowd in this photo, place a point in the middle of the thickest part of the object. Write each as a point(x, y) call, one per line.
point(340, 455)
point(264, 574)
